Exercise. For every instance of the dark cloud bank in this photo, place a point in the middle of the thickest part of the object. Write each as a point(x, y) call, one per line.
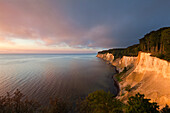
point(85, 23)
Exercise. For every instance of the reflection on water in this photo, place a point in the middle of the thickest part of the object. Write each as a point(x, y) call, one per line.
point(43, 76)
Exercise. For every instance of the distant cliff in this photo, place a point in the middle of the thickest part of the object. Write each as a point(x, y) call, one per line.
point(141, 69)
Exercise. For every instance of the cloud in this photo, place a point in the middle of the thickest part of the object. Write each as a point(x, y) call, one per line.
point(39, 20)
point(81, 24)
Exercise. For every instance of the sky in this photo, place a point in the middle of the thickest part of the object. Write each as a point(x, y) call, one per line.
point(77, 26)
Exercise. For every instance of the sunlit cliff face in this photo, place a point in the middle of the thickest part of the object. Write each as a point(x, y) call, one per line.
point(149, 75)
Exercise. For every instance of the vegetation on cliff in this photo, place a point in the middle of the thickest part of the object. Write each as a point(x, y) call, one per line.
point(100, 102)
point(140, 104)
point(17, 103)
point(96, 102)
point(155, 42)
point(103, 102)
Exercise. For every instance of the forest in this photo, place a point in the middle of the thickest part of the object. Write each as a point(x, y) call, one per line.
point(156, 42)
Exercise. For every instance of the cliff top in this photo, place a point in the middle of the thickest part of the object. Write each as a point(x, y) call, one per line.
point(156, 42)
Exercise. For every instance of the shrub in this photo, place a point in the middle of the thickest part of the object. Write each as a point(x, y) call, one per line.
point(119, 75)
point(138, 104)
point(166, 109)
point(17, 104)
point(57, 105)
point(100, 102)
point(127, 88)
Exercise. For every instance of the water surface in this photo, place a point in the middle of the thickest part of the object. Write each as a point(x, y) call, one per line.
point(43, 76)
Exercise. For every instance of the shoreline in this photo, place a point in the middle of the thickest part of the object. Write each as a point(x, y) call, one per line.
point(141, 74)
point(116, 82)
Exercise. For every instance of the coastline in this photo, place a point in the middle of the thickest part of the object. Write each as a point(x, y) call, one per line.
point(116, 82)
point(145, 74)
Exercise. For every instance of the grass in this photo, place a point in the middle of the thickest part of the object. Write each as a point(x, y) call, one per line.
point(120, 75)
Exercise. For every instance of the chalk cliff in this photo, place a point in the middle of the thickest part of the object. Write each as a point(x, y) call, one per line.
point(120, 63)
point(145, 74)
point(108, 57)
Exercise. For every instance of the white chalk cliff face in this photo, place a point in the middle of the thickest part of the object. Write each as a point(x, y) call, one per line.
point(108, 57)
point(125, 61)
point(120, 63)
point(148, 75)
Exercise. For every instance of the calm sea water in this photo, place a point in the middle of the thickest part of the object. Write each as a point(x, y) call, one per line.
point(43, 76)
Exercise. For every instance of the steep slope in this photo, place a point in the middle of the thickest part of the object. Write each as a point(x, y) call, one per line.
point(151, 77)
point(146, 74)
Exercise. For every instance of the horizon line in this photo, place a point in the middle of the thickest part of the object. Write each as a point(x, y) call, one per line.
point(45, 53)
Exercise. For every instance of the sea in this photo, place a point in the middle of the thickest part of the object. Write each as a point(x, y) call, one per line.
point(45, 76)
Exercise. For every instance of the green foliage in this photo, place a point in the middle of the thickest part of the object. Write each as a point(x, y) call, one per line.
point(119, 75)
point(100, 102)
point(127, 88)
point(118, 78)
point(118, 53)
point(155, 42)
point(96, 102)
point(111, 50)
point(57, 105)
point(166, 109)
point(132, 50)
point(138, 104)
point(16, 103)
point(158, 43)
point(103, 102)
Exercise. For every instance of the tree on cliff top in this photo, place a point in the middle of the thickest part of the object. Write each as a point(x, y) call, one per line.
point(166, 109)
point(139, 104)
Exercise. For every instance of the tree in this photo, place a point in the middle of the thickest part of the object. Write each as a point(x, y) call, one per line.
point(100, 102)
point(166, 109)
point(57, 105)
point(139, 104)
point(16, 104)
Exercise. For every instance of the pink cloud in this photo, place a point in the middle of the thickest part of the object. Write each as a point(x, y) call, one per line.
point(38, 20)
point(5, 40)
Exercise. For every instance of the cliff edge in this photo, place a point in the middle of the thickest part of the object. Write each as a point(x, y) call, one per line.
point(144, 74)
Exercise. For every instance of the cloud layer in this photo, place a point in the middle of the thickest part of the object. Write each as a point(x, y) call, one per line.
point(77, 25)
